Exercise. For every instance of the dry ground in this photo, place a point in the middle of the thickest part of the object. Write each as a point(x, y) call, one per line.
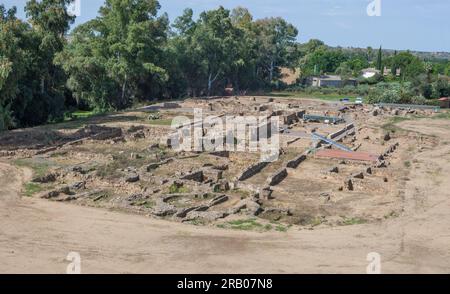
point(36, 235)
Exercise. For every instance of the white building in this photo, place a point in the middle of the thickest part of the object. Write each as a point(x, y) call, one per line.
point(370, 73)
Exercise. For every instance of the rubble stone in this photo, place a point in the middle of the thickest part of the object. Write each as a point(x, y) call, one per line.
point(132, 178)
point(359, 176)
point(349, 185)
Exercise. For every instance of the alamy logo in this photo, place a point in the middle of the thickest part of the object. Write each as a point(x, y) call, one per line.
point(74, 8)
point(74, 267)
point(374, 267)
point(374, 8)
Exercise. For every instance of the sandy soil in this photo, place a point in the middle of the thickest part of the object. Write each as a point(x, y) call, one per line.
point(36, 235)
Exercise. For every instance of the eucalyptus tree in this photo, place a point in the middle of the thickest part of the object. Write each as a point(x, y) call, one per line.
point(277, 40)
point(118, 56)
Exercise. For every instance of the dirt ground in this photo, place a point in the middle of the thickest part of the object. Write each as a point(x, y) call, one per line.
point(36, 235)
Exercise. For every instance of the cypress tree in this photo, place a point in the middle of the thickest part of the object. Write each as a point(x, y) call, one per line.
point(380, 60)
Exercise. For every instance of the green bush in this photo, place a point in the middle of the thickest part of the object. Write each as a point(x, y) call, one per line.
point(6, 120)
point(391, 93)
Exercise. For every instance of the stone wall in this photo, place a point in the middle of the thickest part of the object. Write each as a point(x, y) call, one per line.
point(294, 163)
point(290, 119)
point(281, 174)
point(196, 176)
point(253, 170)
point(301, 114)
point(341, 132)
point(277, 177)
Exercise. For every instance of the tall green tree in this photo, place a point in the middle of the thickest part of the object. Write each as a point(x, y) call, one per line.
point(410, 65)
point(380, 60)
point(323, 60)
point(277, 46)
point(32, 87)
point(16, 53)
point(118, 57)
point(216, 41)
point(50, 21)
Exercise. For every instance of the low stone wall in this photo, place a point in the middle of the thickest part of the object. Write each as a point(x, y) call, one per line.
point(282, 174)
point(7, 153)
point(341, 132)
point(196, 176)
point(253, 170)
point(277, 177)
point(301, 114)
point(290, 119)
point(296, 161)
point(153, 166)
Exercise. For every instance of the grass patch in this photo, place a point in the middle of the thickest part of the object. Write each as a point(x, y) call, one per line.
point(281, 228)
point(407, 164)
point(160, 122)
point(353, 221)
point(82, 114)
point(248, 225)
point(198, 222)
point(317, 221)
point(392, 214)
point(146, 204)
point(245, 225)
point(442, 115)
point(175, 189)
point(252, 224)
point(243, 193)
point(39, 168)
point(32, 188)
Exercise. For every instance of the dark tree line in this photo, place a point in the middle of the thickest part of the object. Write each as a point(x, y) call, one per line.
point(32, 86)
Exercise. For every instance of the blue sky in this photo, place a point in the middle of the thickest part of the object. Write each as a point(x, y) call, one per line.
point(422, 25)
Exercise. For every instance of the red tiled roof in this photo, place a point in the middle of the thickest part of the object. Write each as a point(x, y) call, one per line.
point(444, 99)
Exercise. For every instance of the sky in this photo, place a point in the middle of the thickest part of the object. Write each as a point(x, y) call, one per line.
point(419, 25)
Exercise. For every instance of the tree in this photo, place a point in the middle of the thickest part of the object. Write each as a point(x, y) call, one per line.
point(32, 86)
point(441, 88)
point(216, 42)
point(324, 60)
point(410, 65)
point(50, 21)
point(187, 70)
point(13, 63)
point(369, 54)
point(345, 71)
point(447, 69)
point(380, 60)
point(118, 56)
point(277, 48)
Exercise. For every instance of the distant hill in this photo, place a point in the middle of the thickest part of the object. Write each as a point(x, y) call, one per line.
point(431, 56)
point(427, 55)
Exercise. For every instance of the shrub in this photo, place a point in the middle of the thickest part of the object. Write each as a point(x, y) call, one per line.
point(6, 120)
point(391, 93)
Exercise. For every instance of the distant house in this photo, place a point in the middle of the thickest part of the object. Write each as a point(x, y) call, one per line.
point(444, 102)
point(369, 72)
point(331, 81)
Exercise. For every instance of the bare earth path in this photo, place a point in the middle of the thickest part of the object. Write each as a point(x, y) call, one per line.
point(36, 235)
